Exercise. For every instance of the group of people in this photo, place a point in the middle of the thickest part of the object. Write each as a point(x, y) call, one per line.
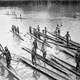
point(15, 29)
point(36, 32)
point(67, 36)
point(7, 55)
point(34, 50)
point(35, 45)
point(57, 32)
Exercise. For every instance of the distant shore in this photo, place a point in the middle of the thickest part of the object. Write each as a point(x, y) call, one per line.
point(45, 2)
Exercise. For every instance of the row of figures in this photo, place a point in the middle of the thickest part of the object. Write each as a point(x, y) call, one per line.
point(7, 55)
point(57, 32)
point(68, 38)
point(15, 29)
point(34, 50)
point(36, 32)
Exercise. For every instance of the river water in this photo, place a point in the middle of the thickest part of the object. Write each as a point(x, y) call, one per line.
point(67, 15)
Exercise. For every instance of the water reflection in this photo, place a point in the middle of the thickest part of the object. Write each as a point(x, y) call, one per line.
point(10, 76)
point(2, 70)
point(41, 14)
point(16, 39)
point(36, 74)
point(54, 9)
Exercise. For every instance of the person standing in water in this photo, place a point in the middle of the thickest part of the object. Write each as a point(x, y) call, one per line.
point(33, 55)
point(77, 59)
point(35, 44)
point(38, 34)
point(8, 56)
point(34, 51)
point(57, 31)
point(30, 30)
point(35, 32)
point(68, 37)
point(45, 30)
point(17, 29)
point(43, 48)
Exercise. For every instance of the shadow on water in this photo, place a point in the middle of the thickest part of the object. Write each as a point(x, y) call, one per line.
point(2, 73)
point(10, 76)
point(36, 74)
point(2, 70)
point(16, 39)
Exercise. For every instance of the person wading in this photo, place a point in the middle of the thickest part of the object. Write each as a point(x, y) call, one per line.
point(45, 31)
point(44, 36)
point(8, 56)
point(43, 48)
point(35, 44)
point(17, 29)
point(38, 34)
point(33, 56)
point(30, 29)
point(68, 37)
point(34, 51)
point(77, 59)
point(57, 31)
point(34, 32)
point(13, 28)
point(44, 53)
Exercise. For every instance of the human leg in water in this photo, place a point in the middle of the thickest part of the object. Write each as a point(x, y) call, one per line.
point(32, 59)
point(8, 63)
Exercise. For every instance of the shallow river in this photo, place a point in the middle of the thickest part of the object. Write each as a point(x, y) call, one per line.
point(32, 15)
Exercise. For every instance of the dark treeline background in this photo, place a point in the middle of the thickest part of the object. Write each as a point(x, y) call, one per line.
point(26, 2)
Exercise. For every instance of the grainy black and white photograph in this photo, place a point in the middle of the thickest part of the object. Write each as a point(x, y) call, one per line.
point(39, 39)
